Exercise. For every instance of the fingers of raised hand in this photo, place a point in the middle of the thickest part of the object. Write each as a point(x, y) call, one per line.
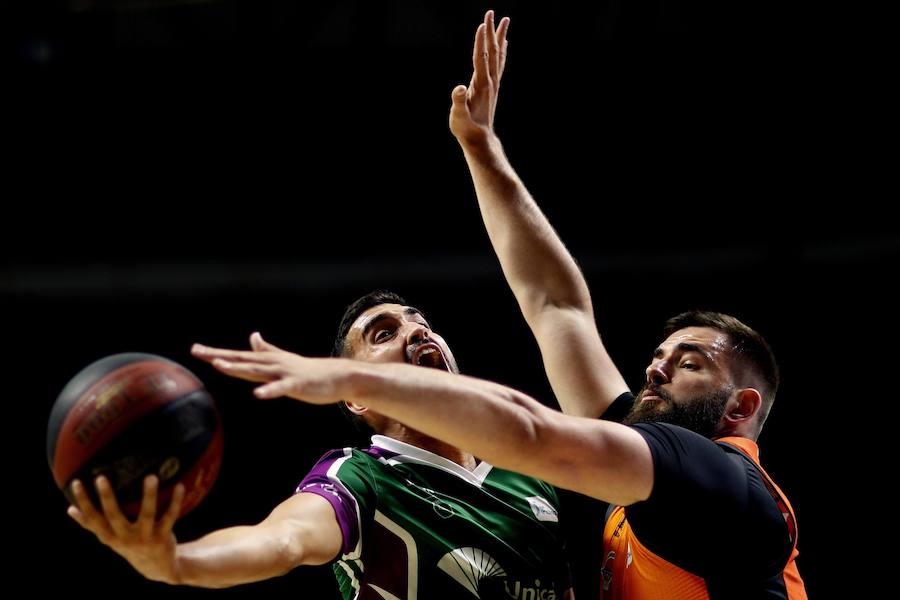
point(167, 522)
point(503, 44)
point(260, 345)
point(85, 514)
point(275, 389)
point(208, 353)
point(117, 521)
point(82, 502)
point(147, 516)
point(480, 63)
point(251, 371)
point(491, 45)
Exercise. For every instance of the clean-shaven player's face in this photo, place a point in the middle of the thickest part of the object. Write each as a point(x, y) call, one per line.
point(688, 382)
point(396, 333)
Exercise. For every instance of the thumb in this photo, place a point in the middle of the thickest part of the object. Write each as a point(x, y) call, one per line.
point(260, 345)
point(273, 389)
point(459, 97)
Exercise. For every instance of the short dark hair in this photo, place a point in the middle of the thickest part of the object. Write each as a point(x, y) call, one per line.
point(340, 349)
point(353, 311)
point(747, 346)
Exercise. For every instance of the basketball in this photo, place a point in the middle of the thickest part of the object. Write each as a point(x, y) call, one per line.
point(130, 415)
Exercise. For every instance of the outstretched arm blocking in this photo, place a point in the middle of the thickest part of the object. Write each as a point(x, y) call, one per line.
point(499, 424)
point(547, 283)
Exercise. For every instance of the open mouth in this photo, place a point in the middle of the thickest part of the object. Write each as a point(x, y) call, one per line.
point(429, 355)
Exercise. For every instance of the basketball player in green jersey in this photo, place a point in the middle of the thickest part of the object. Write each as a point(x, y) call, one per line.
point(408, 517)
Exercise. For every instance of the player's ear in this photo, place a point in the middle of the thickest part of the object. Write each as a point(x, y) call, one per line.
point(744, 405)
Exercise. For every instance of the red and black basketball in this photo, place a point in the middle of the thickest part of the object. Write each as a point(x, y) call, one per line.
point(127, 416)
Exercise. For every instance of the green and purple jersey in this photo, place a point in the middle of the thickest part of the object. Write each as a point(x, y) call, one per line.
point(416, 525)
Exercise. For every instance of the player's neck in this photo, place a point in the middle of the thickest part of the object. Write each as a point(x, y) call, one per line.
point(420, 440)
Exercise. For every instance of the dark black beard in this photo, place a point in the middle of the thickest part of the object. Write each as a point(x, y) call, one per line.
point(700, 414)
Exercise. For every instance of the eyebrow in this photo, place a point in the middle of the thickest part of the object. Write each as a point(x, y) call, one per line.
point(371, 323)
point(686, 347)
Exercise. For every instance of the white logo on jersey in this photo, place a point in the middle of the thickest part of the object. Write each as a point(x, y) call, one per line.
point(441, 507)
point(468, 566)
point(518, 592)
point(543, 509)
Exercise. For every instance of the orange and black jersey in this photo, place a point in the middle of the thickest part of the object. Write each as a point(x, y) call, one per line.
point(714, 527)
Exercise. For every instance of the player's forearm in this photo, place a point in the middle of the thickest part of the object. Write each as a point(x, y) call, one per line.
point(509, 429)
point(461, 410)
point(233, 556)
point(537, 265)
point(550, 289)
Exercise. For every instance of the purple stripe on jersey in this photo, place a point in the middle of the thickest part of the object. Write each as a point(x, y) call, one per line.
point(342, 501)
point(377, 452)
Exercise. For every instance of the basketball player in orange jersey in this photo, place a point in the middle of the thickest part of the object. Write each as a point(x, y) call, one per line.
point(694, 515)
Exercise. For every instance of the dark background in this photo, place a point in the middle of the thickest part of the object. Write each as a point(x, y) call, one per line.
point(194, 171)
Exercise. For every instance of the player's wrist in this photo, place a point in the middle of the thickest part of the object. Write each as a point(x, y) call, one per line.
point(479, 141)
point(174, 575)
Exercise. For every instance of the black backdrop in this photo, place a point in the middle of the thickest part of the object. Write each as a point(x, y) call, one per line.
point(194, 171)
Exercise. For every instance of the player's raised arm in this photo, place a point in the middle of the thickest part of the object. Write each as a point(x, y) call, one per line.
point(547, 283)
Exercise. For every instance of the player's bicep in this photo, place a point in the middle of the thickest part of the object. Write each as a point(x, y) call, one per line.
point(307, 526)
point(607, 461)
